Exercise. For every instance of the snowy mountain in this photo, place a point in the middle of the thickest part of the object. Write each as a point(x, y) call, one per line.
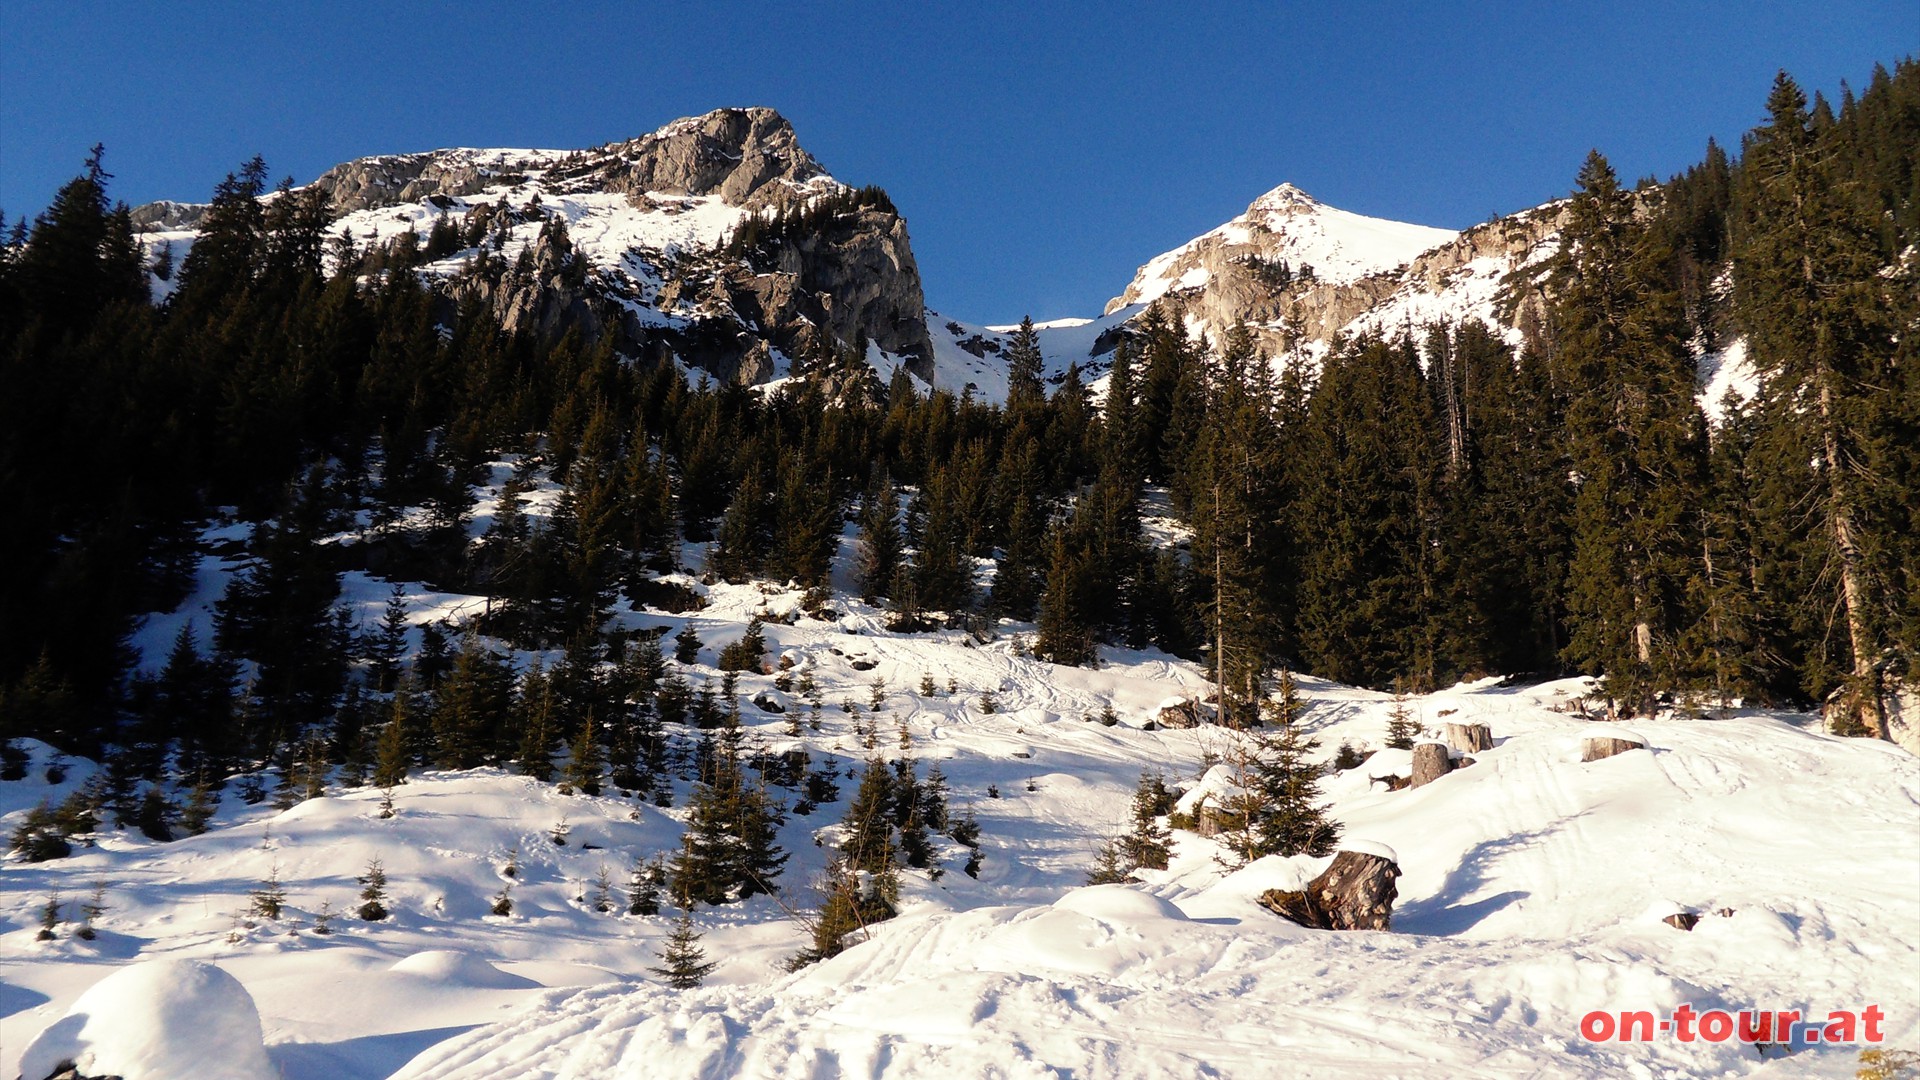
point(1289, 227)
point(648, 254)
point(644, 251)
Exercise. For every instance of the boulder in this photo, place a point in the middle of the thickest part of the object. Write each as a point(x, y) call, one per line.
point(1355, 892)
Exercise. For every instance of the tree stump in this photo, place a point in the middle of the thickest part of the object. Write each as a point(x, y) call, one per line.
point(1606, 746)
point(1431, 761)
point(1469, 738)
point(1356, 892)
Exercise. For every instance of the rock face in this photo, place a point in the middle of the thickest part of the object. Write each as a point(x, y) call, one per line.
point(855, 277)
point(1356, 892)
point(648, 259)
point(741, 155)
point(747, 157)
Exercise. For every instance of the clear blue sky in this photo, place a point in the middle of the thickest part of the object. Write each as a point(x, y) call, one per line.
point(1039, 153)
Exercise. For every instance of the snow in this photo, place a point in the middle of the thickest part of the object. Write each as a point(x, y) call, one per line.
point(1369, 847)
point(1727, 375)
point(1527, 882)
point(1341, 246)
point(1063, 342)
point(1524, 904)
point(156, 1020)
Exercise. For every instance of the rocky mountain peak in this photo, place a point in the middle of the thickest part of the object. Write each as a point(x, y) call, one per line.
point(1285, 199)
point(748, 157)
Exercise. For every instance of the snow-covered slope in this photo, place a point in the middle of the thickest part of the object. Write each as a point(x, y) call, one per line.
point(1531, 892)
point(966, 356)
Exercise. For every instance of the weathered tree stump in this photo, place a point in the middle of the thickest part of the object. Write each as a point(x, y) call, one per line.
point(1181, 713)
point(1356, 892)
point(1469, 738)
point(1606, 746)
point(1431, 761)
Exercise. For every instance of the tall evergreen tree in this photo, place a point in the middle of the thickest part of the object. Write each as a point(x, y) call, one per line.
point(1815, 308)
point(1636, 440)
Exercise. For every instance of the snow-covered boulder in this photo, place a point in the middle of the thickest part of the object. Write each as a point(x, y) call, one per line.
point(156, 1020)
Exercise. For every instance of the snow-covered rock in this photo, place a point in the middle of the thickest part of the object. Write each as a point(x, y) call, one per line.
point(156, 1020)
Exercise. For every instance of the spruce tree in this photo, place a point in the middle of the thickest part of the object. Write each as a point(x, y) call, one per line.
point(644, 887)
point(879, 553)
point(685, 964)
point(1816, 309)
point(1292, 820)
point(373, 892)
point(1025, 393)
point(1066, 633)
point(1148, 845)
point(1637, 445)
point(586, 763)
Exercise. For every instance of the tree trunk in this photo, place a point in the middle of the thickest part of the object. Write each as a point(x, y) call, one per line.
point(1604, 747)
point(1356, 892)
point(1430, 762)
point(1865, 694)
point(1469, 738)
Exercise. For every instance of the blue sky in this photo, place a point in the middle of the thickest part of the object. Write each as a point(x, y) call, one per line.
point(1039, 152)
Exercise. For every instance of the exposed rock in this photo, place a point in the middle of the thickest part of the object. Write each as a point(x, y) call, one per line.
point(856, 277)
point(1431, 761)
point(1356, 892)
point(1469, 738)
point(766, 701)
point(1682, 920)
point(1901, 702)
point(166, 216)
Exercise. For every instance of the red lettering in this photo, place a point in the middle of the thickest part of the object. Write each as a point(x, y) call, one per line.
point(1756, 1027)
point(1683, 1022)
point(1628, 1020)
point(1716, 1026)
point(1596, 1026)
point(1872, 1015)
point(1840, 1027)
